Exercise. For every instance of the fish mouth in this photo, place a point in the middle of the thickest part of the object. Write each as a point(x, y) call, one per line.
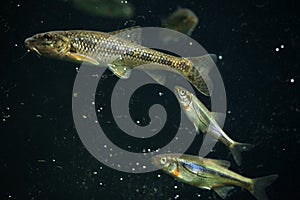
point(155, 161)
point(30, 44)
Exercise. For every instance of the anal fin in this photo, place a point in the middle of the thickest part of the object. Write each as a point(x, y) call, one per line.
point(223, 191)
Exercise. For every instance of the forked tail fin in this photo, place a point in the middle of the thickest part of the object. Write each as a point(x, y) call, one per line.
point(237, 148)
point(260, 184)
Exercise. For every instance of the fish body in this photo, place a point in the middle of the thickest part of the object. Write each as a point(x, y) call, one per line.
point(183, 20)
point(210, 174)
point(117, 52)
point(206, 122)
point(105, 8)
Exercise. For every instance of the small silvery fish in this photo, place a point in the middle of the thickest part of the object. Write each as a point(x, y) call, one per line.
point(205, 121)
point(120, 50)
point(210, 174)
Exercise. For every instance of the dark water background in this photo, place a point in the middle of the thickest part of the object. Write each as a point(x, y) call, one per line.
point(35, 100)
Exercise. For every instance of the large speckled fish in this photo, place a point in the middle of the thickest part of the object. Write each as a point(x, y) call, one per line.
point(210, 174)
point(120, 51)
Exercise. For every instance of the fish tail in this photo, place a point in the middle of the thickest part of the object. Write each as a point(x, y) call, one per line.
point(237, 148)
point(198, 75)
point(260, 184)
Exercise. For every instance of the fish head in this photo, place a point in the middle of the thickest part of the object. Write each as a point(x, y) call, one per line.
point(166, 162)
point(50, 44)
point(184, 97)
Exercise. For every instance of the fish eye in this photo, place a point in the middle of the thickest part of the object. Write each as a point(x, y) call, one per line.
point(182, 92)
point(47, 36)
point(163, 160)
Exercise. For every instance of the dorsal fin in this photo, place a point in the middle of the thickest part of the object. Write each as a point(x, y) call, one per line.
point(219, 117)
point(223, 163)
point(133, 34)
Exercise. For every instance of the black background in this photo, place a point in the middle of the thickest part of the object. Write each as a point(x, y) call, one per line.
point(35, 100)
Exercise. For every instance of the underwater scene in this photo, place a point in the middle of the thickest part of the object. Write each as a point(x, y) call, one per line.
point(148, 99)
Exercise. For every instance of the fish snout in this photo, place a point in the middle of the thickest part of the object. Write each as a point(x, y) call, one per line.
point(30, 44)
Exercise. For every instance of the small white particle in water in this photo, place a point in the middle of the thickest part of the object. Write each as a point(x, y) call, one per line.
point(101, 183)
point(283, 149)
point(137, 163)
point(177, 196)
point(277, 49)
point(175, 186)
point(133, 169)
point(53, 160)
point(121, 179)
point(158, 175)
point(149, 150)
point(100, 167)
point(4, 119)
point(190, 43)
point(9, 196)
point(229, 111)
point(282, 46)
point(93, 103)
point(42, 21)
point(96, 121)
point(95, 173)
point(101, 108)
point(7, 108)
point(105, 146)
point(292, 80)
point(199, 195)
point(144, 167)
point(137, 121)
point(18, 5)
point(16, 45)
point(84, 116)
point(220, 57)
point(160, 94)
point(38, 116)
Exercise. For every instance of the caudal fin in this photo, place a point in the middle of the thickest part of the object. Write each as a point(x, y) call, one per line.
point(236, 148)
point(260, 184)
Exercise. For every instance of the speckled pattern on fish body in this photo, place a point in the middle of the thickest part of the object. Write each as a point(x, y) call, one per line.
point(118, 53)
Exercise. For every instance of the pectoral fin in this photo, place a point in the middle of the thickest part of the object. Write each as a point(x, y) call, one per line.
point(120, 71)
point(133, 34)
point(223, 191)
point(82, 58)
